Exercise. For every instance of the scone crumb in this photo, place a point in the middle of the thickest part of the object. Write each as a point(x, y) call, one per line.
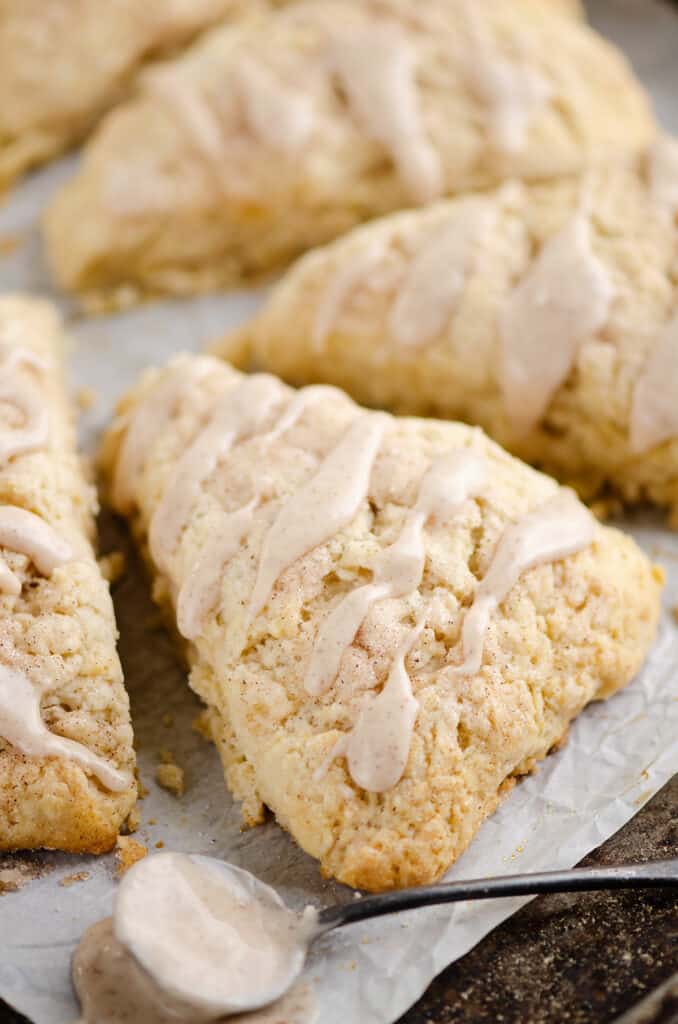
point(128, 852)
point(86, 398)
point(12, 879)
point(171, 778)
point(9, 244)
point(159, 845)
point(79, 876)
point(133, 820)
point(675, 612)
point(201, 725)
point(112, 566)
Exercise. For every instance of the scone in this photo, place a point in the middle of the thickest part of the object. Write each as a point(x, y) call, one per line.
point(66, 756)
point(263, 141)
point(63, 63)
point(388, 619)
point(547, 314)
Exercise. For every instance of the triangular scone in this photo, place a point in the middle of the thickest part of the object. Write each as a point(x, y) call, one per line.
point(548, 315)
point(264, 141)
point(378, 662)
point(63, 63)
point(66, 756)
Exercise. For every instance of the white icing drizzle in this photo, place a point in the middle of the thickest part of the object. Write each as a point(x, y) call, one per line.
point(339, 290)
point(564, 299)
point(329, 501)
point(35, 432)
point(239, 413)
point(13, 357)
point(185, 99)
point(449, 482)
point(437, 275)
point(24, 532)
point(277, 115)
point(148, 421)
point(654, 409)
point(377, 69)
point(663, 173)
point(199, 593)
point(22, 726)
point(513, 92)
point(559, 527)
point(378, 746)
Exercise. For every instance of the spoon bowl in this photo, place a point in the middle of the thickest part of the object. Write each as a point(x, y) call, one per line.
point(218, 941)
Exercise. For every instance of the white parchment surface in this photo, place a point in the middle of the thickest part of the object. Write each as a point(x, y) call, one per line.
point(619, 753)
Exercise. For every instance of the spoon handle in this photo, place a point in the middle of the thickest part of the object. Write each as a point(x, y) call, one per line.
point(655, 874)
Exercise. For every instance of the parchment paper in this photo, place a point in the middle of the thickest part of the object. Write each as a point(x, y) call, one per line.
point(619, 753)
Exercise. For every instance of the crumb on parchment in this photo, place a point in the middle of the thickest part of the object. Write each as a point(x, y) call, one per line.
point(169, 774)
point(201, 725)
point(675, 612)
point(127, 852)
point(86, 398)
point(112, 566)
point(79, 876)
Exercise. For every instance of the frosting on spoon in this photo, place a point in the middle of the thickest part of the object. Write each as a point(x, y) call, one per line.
point(437, 275)
point(377, 69)
point(654, 410)
point(558, 528)
point(563, 300)
point(28, 534)
point(329, 501)
point(22, 726)
point(450, 481)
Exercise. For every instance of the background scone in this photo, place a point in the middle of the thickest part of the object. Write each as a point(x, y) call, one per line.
point(547, 314)
point(377, 667)
point(63, 63)
point(263, 141)
point(66, 756)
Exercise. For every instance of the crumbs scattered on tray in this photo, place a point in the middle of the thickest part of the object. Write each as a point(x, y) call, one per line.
point(169, 774)
point(79, 876)
point(86, 398)
point(9, 244)
point(112, 566)
point(127, 852)
point(18, 869)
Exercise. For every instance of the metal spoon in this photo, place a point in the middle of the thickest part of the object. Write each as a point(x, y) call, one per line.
point(216, 981)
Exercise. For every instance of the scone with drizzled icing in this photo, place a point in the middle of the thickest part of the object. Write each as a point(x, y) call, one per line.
point(548, 315)
point(64, 63)
point(388, 619)
point(263, 141)
point(66, 757)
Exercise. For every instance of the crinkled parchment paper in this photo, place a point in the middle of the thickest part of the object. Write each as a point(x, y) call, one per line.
point(619, 753)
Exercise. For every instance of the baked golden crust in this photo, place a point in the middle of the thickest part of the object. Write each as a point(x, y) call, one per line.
point(59, 629)
point(584, 436)
point(63, 63)
point(179, 193)
point(569, 632)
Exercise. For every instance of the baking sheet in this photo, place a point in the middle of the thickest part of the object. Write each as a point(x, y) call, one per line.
point(619, 754)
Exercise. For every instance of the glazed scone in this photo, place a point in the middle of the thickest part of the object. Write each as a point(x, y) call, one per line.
point(63, 63)
point(66, 756)
point(263, 141)
point(548, 315)
point(354, 592)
